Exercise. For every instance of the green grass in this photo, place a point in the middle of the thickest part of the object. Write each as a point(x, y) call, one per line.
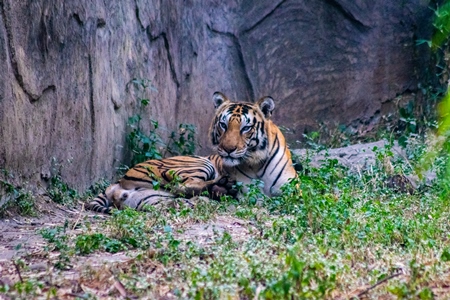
point(348, 234)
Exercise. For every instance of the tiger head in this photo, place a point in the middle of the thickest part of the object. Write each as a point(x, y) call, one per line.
point(239, 132)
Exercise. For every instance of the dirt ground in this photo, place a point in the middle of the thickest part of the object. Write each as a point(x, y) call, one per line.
point(20, 240)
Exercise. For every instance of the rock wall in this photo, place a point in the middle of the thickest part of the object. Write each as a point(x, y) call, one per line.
point(65, 66)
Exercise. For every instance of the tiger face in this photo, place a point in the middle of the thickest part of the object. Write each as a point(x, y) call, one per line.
point(239, 132)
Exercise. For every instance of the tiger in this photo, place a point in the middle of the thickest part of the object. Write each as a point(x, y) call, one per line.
point(250, 144)
point(160, 181)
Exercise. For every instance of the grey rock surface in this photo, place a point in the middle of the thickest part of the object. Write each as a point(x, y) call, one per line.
point(360, 157)
point(65, 66)
point(355, 157)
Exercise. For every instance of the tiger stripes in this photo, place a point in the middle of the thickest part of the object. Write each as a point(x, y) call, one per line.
point(157, 181)
point(250, 144)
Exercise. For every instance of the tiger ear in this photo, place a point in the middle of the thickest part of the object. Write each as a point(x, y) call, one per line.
point(266, 104)
point(218, 99)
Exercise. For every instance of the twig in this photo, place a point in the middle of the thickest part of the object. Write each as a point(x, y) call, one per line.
point(79, 217)
point(82, 296)
point(378, 283)
point(119, 286)
point(18, 270)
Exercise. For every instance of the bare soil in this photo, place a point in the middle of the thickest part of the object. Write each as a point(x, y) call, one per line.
point(20, 240)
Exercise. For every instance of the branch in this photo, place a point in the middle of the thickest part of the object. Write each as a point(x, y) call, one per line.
point(378, 283)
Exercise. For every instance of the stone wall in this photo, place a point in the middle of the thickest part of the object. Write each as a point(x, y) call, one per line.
point(65, 66)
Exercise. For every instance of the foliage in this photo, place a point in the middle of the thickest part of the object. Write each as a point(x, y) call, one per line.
point(129, 227)
point(58, 241)
point(16, 198)
point(347, 234)
point(439, 141)
point(302, 279)
point(182, 142)
point(442, 26)
point(88, 243)
point(58, 190)
point(151, 145)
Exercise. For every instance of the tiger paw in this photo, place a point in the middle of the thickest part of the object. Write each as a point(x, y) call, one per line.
point(223, 187)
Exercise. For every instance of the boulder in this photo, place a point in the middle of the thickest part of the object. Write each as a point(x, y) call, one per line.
point(66, 65)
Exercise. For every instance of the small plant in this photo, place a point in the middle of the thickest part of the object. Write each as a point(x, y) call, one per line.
point(254, 193)
point(302, 279)
point(312, 140)
point(58, 190)
point(16, 199)
point(88, 243)
point(442, 26)
point(58, 239)
point(96, 188)
point(182, 142)
point(149, 144)
point(85, 244)
point(130, 227)
point(26, 289)
point(143, 146)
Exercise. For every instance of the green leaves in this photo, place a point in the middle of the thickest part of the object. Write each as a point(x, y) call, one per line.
point(445, 256)
point(145, 139)
point(347, 233)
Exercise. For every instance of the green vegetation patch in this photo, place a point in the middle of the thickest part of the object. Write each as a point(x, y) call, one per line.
point(346, 234)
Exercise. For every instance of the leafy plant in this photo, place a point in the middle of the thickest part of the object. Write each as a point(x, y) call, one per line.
point(149, 144)
point(302, 279)
point(25, 289)
point(16, 198)
point(253, 192)
point(439, 142)
point(182, 142)
point(143, 146)
point(58, 239)
point(442, 26)
point(88, 243)
point(58, 190)
point(130, 227)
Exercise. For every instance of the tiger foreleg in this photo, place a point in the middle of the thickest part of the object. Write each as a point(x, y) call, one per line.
point(213, 188)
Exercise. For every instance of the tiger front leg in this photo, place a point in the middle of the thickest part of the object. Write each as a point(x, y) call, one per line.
point(191, 187)
point(224, 187)
point(215, 188)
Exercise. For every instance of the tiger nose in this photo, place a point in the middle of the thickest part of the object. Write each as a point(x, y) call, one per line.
point(229, 150)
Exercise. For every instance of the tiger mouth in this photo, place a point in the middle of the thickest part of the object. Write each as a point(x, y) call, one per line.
point(231, 161)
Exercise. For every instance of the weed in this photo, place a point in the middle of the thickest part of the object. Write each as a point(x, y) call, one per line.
point(254, 194)
point(182, 141)
point(58, 190)
point(302, 278)
point(97, 188)
point(130, 227)
point(85, 244)
point(58, 239)
point(25, 289)
point(88, 243)
point(145, 146)
point(16, 199)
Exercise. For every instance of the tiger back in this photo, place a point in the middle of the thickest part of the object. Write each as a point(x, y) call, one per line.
point(250, 144)
point(156, 181)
